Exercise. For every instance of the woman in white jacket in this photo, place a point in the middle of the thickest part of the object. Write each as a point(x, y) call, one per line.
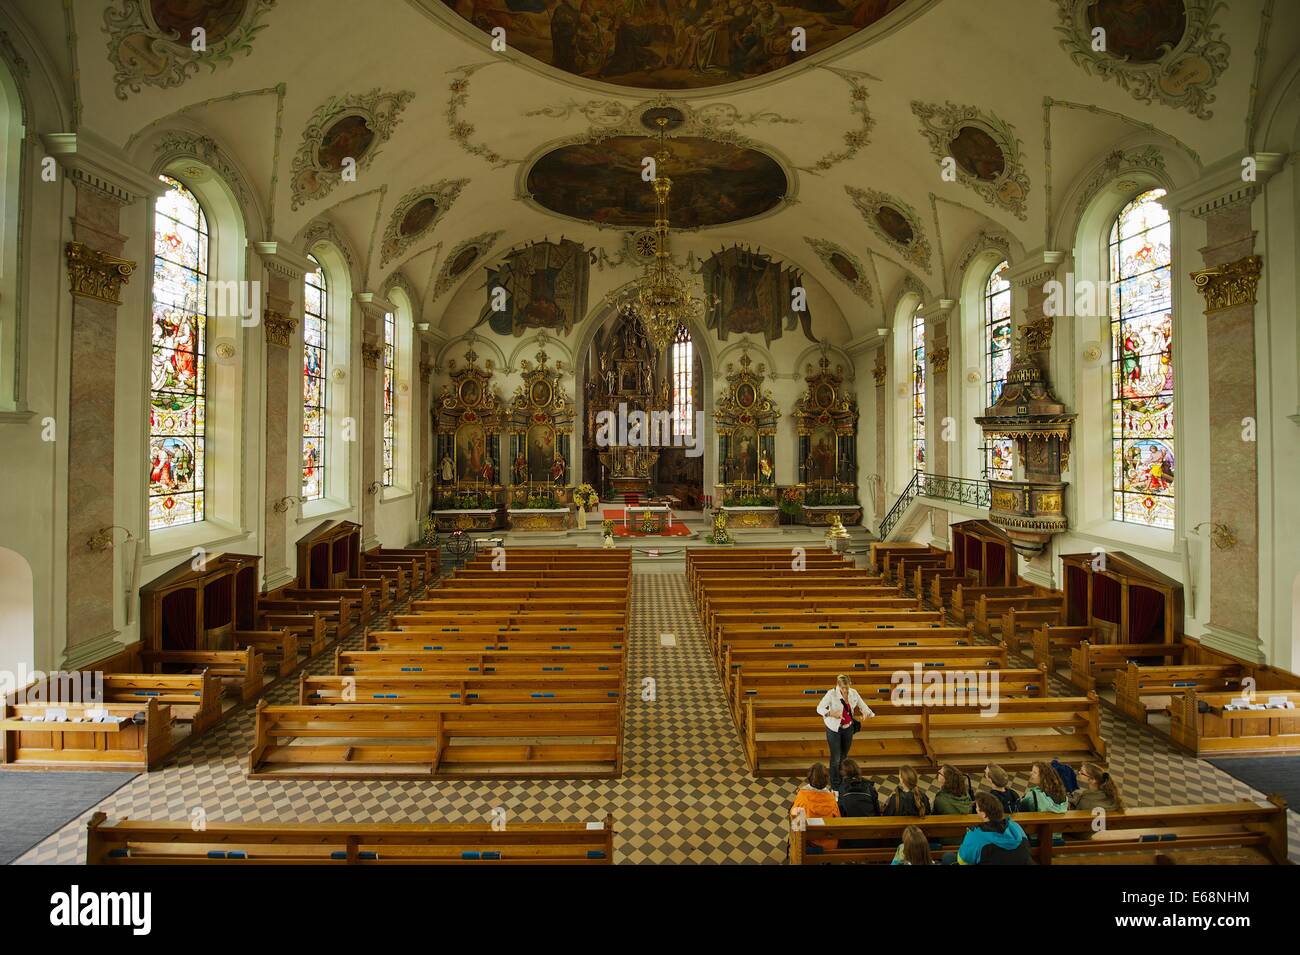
point(840, 710)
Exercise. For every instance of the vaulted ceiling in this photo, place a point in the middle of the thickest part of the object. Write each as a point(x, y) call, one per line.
point(834, 158)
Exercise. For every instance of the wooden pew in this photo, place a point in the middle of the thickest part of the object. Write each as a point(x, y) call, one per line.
point(194, 698)
point(336, 613)
point(774, 604)
point(471, 689)
point(358, 600)
point(135, 745)
point(962, 599)
point(307, 629)
point(903, 566)
point(512, 740)
point(511, 661)
point(875, 686)
point(139, 842)
point(1202, 723)
point(1140, 689)
point(1053, 644)
point(989, 610)
point(942, 584)
point(791, 637)
point(412, 567)
point(879, 551)
point(780, 577)
point(427, 556)
point(545, 640)
point(481, 619)
point(1019, 624)
point(829, 619)
point(781, 739)
point(240, 671)
point(1095, 664)
point(1211, 834)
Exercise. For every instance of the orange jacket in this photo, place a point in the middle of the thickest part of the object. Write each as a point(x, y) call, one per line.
point(818, 804)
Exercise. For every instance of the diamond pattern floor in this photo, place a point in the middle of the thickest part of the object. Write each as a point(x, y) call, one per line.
point(685, 796)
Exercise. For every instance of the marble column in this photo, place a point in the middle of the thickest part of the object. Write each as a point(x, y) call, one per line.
point(284, 269)
point(373, 309)
point(104, 183)
point(879, 372)
point(422, 438)
point(943, 432)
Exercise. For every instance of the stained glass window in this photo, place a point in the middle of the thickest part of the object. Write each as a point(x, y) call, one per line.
point(390, 396)
point(683, 387)
point(1142, 368)
point(997, 362)
point(315, 383)
point(918, 392)
point(177, 377)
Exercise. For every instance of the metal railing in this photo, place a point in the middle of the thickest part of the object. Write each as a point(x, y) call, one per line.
point(974, 493)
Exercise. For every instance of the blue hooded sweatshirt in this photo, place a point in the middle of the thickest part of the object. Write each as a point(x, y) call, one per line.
point(1007, 837)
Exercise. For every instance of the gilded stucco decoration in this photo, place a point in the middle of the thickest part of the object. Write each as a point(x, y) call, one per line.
point(153, 42)
point(343, 137)
point(844, 265)
point(1121, 161)
point(416, 215)
point(980, 149)
point(894, 222)
point(1161, 51)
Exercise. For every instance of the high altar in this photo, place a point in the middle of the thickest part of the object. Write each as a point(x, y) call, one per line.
point(627, 381)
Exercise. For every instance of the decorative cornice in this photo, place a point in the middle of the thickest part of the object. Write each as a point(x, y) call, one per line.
point(279, 327)
point(95, 274)
point(1035, 269)
point(283, 259)
point(376, 305)
point(94, 163)
point(1225, 186)
point(1229, 285)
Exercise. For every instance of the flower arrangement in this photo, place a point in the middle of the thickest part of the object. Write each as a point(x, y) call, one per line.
point(830, 498)
point(720, 535)
point(607, 528)
point(790, 502)
point(584, 495)
point(543, 500)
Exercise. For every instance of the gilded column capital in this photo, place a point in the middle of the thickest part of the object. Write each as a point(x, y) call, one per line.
point(371, 355)
point(1228, 285)
point(426, 371)
point(95, 274)
point(939, 359)
point(878, 371)
point(279, 327)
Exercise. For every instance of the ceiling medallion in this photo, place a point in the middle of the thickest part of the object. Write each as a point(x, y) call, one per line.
point(983, 149)
point(844, 265)
point(344, 134)
point(462, 258)
point(893, 221)
point(1167, 51)
point(416, 215)
point(151, 42)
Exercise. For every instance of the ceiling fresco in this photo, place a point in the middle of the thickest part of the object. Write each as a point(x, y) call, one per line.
point(671, 44)
point(713, 182)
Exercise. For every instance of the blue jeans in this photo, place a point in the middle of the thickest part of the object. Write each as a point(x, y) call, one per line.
point(839, 743)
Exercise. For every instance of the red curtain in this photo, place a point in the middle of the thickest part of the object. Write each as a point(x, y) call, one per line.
point(320, 566)
point(179, 609)
point(1146, 615)
point(1076, 586)
point(974, 554)
point(246, 591)
point(1105, 598)
point(996, 558)
point(218, 603)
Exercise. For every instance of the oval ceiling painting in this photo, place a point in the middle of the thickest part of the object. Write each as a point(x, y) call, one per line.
point(978, 153)
point(895, 225)
point(349, 138)
point(218, 18)
point(419, 216)
point(713, 182)
point(467, 257)
point(844, 267)
point(671, 44)
point(1140, 31)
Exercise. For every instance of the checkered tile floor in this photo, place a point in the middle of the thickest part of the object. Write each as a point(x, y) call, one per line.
point(685, 794)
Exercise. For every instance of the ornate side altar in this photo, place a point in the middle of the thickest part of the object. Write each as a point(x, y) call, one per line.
point(746, 420)
point(540, 428)
point(468, 420)
point(826, 417)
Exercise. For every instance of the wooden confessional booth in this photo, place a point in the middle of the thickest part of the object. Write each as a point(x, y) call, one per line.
point(200, 608)
point(982, 549)
point(1123, 599)
point(329, 555)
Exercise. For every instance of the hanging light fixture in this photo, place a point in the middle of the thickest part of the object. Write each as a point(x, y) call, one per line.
point(662, 301)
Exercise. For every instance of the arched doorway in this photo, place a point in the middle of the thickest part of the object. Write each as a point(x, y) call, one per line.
point(643, 431)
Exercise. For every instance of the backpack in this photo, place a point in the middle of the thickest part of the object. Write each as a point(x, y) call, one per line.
point(860, 803)
point(1068, 778)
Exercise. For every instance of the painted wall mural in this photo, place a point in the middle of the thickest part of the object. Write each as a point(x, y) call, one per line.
point(1166, 51)
point(748, 292)
point(150, 42)
point(545, 286)
point(345, 127)
point(713, 182)
point(670, 44)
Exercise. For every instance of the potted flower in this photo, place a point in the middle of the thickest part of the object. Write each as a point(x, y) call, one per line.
point(791, 506)
point(607, 530)
point(584, 497)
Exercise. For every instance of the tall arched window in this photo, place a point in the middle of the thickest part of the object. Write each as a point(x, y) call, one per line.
point(918, 391)
point(1142, 368)
point(683, 384)
point(315, 381)
point(390, 396)
point(178, 376)
point(997, 362)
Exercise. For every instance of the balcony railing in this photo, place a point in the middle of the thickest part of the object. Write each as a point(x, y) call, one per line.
point(959, 490)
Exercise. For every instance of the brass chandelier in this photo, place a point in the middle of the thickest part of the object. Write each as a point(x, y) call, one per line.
point(662, 301)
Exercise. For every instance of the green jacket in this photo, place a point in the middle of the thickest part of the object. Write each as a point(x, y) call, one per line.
point(946, 804)
point(1038, 801)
